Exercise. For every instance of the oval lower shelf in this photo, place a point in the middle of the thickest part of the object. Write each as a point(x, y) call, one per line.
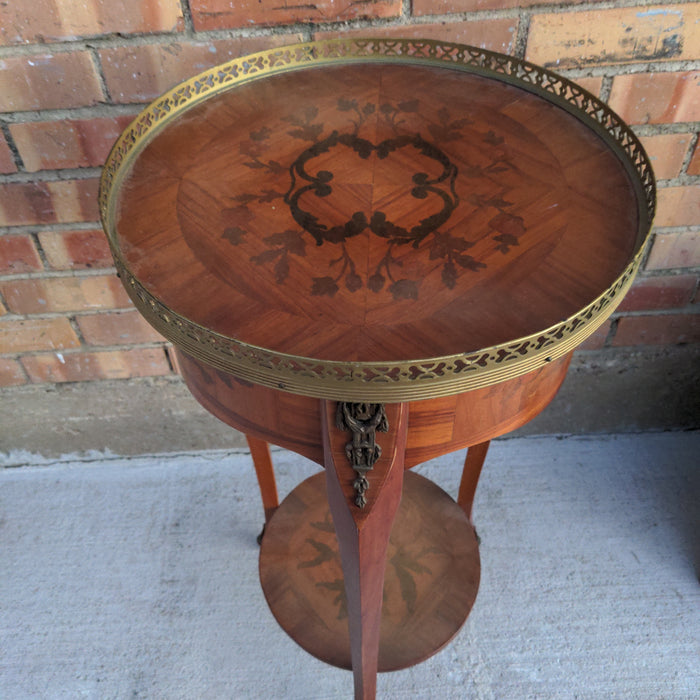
point(431, 580)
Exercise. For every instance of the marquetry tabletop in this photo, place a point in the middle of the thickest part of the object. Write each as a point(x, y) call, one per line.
point(380, 218)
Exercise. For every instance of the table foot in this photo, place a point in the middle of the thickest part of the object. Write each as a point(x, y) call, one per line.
point(430, 585)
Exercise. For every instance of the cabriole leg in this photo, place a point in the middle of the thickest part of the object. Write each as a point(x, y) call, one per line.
point(364, 482)
point(260, 452)
point(473, 463)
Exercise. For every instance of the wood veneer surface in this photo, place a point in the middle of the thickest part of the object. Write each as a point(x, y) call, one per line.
point(376, 212)
point(431, 582)
point(435, 426)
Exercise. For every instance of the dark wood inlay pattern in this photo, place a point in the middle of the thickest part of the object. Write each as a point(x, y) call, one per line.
point(431, 580)
point(377, 212)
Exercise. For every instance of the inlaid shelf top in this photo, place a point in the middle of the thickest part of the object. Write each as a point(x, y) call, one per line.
point(377, 219)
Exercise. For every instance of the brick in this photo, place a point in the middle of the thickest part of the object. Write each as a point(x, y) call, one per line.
point(117, 329)
point(36, 334)
point(596, 341)
point(440, 7)
point(7, 160)
point(60, 201)
point(492, 34)
point(48, 81)
point(142, 73)
point(58, 294)
point(224, 14)
point(11, 373)
point(671, 329)
point(622, 35)
point(694, 165)
point(675, 250)
point(678, 206)
point(70, 250)
point(653, 293)
point(592, 84)
point(87, 366)
point(18, 254)
point(73, 143)
point(657, 98)
point(43, 21)
point(666, 153)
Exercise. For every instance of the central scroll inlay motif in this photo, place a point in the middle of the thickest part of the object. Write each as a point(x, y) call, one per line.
point(306, 182)
point(379, 172)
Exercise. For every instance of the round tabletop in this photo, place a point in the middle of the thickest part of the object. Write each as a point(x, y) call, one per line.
point(377, 219)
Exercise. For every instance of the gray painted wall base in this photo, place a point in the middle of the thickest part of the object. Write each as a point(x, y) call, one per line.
point(603, 393)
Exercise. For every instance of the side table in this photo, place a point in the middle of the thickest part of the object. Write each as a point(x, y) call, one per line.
point(373, 252)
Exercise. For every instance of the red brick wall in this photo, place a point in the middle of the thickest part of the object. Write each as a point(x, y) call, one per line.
point(72, 75)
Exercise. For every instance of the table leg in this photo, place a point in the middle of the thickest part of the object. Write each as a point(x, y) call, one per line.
point(476, 455)
point(364, 483)
point(260, 452)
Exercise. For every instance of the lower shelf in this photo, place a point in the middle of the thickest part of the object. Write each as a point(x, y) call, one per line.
point(431, 580)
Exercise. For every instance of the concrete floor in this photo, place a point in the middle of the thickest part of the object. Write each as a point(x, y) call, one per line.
point(137, 578)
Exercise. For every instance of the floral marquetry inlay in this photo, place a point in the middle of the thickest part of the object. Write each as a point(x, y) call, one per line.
point(432, 176)
point(377, 219)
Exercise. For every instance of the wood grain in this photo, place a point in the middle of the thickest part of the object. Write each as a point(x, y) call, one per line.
point(376, 213)
point(431, 581)
point(265, 473)
point(363, 532)
point(435, 426)
point(473, 462)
